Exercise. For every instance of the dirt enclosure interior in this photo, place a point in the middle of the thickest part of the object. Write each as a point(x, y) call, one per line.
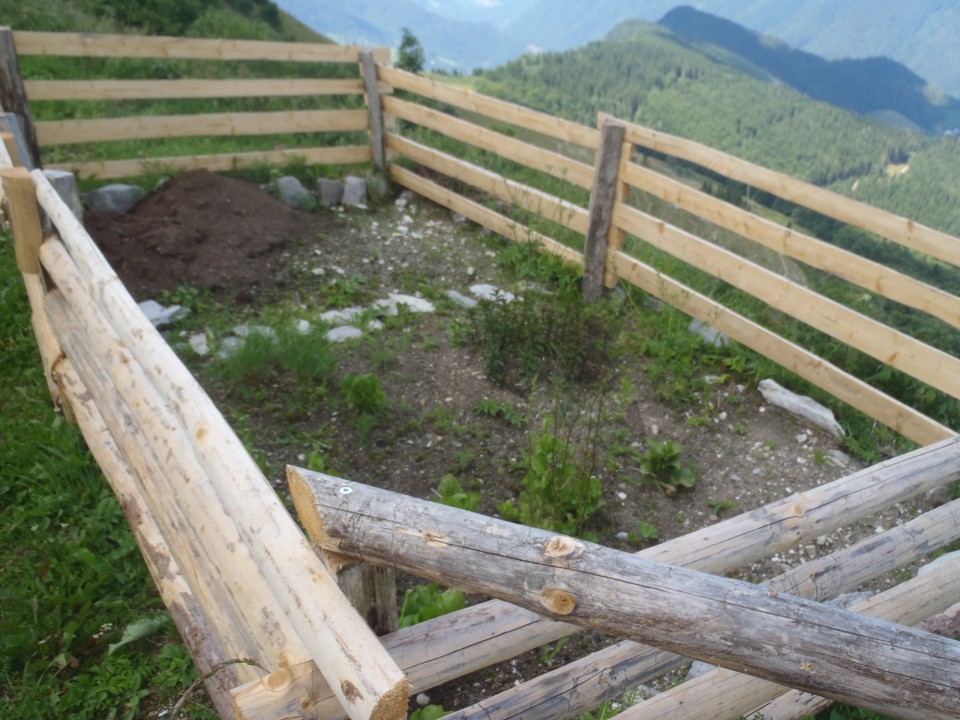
point(239, 255)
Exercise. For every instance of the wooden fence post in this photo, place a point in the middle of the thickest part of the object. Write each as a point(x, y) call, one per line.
point(368, 67)
point(602, 201)
point(13, 96)
point(371, 589)
point(24, 217)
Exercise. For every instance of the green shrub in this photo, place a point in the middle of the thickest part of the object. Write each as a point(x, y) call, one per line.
point(364, 394)
point(453, 494)
point(425, 602)
point(663, 463)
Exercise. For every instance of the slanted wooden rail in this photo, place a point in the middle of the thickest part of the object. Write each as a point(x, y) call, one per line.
point(243, 582)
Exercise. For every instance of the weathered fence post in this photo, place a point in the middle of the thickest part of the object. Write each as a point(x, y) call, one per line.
point(371, 589)
point(602, 201)
point(368, 67)
point(13, 96)
point(25, 218)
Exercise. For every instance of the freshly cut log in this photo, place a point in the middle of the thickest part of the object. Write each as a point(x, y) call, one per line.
point(778, 637)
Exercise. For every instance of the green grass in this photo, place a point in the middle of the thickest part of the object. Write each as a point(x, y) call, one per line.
point(71, 576)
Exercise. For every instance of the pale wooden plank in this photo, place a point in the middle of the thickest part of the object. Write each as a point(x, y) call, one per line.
point(499, 110)
point(842, 385)
point(889, 346)
point(141, 46)
point(24, 215)
point(774, 636)
point(482, 215)
point(109, 169)
point(552, 163)
point(866, 273)
point(363, 676)
point(900, 230)
point(143, 127)
point(602, 202)
point(529, 198)
point(186, 88)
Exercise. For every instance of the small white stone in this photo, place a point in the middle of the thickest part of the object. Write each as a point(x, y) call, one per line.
point(319, 271)
point(344, 332)
point(623, 535)
point(423, 699)
point(199, 344)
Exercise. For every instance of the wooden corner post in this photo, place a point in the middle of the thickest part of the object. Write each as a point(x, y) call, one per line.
point(24, 212)
point(368, 68)
point(13, 96)
point(602, 202)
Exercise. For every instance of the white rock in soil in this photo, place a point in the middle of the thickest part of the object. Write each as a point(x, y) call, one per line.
point(318, 271)
point(491, 292)
point(228, 347)
point(354, 191)
point(248, 330)
point(292, 193)
point(840, 459)
point(199, 344)
point(344, 332)
point(939, 562)
point(160, 316)
point(344, 315)
point(805, 407)
point(460, 299)
point(413, 304)
point(623, 535)
point(423, 699)
point(303, 327)
point(710, 334)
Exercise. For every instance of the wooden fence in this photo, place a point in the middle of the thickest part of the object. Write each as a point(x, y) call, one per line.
point(242, 581)
point(143, 127)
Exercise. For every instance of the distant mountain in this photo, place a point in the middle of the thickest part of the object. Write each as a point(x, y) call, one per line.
point(448, 44)
point(922, 34)
point(874, 86)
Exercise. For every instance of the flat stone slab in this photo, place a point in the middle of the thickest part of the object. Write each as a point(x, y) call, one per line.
point(160, 315)
point(116, 197)
point(801, 405)
point(344, 333)
point(485, 291)
point(413, 304)
point(344, 315)
point(461, 299)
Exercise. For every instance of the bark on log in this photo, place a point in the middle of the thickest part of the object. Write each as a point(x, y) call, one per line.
point(584, 684)
point(368, 68)
point(778, 637)
point(365, 679)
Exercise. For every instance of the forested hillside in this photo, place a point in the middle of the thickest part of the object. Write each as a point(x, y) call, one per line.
point(643, 73)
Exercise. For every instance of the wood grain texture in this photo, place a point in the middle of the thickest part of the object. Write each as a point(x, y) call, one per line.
point(24, 214)
point(869, 275)
point(584, 684)
point(501, 111)
point(111, 169)
point(363, 676)
point(186, 88)
point(842, 385)
point(551, 163)
point(140, 46)
point(144, 127)
point(602, 202)
point(368, 71)
point(777, 637)
point(853, 212)
point(889, 346)
point(547, 206)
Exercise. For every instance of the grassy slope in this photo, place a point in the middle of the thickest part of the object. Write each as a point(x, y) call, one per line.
point(71, 578)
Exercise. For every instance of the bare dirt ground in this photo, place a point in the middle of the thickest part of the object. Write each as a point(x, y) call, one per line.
point(251, 251)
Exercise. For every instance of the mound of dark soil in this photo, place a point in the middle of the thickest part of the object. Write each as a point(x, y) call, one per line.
point(201, 229)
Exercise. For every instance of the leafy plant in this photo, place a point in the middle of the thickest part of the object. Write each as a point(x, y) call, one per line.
point(425, 602)
point(560, 491)
point(718, 506)
point(663, 463)
point(644, 533)
point(429, 712)
point(453, 494)
point(364, 394)
point(497, 408)
point(548, 652)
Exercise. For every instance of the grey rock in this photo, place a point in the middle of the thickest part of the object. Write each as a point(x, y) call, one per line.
point(699, 668)
point(199, 344)
point(115, 198)
point(330, 191)
point(248, 330)
point(65, 183)
point(485, 291)
point(303, 327)
point(460, 299)
point(939, 562)
point(344, 315)
point(354, 191)
point(840, 459)
point(710, 334)
point(229, 346)
point(423, 699)
point(161, 316)
point(800, 405)
point(293, 194)
point(343, 333)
